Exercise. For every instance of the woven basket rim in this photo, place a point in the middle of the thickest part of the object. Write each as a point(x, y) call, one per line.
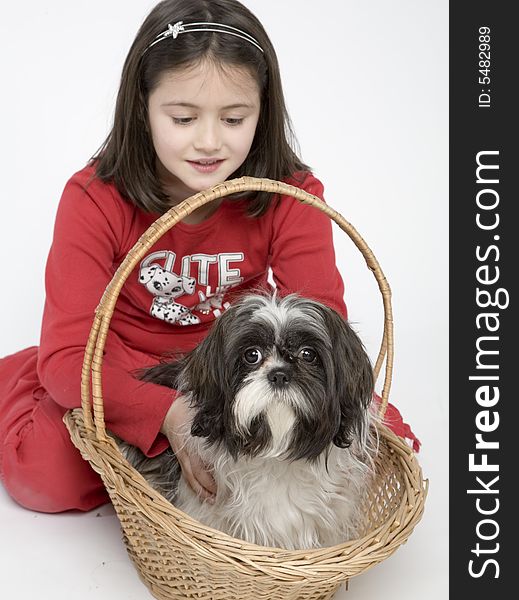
point(74, 419)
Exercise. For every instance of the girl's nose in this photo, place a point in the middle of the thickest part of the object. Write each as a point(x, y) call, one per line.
point(208, 138)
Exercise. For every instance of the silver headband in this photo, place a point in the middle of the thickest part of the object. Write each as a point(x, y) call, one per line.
point(175, 30)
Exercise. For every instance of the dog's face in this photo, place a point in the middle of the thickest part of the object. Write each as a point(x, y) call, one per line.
point(165, 284)
point(275, 376)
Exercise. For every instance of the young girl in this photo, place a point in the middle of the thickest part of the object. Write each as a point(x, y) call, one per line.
point(200, 101)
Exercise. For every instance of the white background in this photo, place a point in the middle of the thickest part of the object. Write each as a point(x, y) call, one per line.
point(366, 85)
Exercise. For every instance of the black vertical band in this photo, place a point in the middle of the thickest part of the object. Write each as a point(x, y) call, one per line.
point(484, 268)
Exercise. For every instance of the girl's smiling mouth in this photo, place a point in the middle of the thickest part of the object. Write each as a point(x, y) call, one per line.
point(206, 165)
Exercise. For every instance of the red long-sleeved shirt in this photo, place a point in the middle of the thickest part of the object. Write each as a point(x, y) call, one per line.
point(169, 301)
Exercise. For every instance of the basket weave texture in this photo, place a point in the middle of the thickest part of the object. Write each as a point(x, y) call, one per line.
point(178, 557)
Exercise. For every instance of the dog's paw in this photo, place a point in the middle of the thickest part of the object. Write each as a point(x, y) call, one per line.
point(189, 319)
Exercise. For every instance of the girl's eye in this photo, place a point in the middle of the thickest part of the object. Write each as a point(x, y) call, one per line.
point(182, 120)
point(234, 121)
point(309, 355)
point(252, 356)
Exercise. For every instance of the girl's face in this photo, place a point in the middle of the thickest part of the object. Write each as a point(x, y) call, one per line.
point(202, 122)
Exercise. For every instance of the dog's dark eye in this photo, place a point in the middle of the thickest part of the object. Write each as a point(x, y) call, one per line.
point(252, 356)
point(308, 355)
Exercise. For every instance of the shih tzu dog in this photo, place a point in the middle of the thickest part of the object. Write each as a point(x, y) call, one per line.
point(280, 392)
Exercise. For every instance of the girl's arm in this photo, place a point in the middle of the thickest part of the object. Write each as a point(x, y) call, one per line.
point(85, 249)
point(302, 253)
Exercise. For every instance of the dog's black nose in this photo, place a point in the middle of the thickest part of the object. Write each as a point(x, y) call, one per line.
point(279, 378)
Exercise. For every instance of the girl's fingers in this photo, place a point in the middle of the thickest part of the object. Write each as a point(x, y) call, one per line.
point(203, 476)
point(191, 478)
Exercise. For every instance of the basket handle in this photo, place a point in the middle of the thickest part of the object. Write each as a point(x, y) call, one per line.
point(93, 358)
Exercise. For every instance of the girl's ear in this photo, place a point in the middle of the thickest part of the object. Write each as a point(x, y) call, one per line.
point(352, 382)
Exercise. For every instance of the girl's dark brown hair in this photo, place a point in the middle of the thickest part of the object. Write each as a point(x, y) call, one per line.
point(127, 157)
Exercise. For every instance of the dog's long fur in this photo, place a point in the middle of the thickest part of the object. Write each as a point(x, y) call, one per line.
point(280, 392)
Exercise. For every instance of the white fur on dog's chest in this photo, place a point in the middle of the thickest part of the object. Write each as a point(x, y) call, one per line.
point(275, 502)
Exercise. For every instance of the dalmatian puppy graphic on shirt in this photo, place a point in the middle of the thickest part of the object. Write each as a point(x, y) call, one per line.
point(158, 274)
point(166, 286)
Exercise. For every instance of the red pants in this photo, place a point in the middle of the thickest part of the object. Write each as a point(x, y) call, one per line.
point(39, 466)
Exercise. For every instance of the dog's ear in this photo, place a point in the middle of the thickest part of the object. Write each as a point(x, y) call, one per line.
point(165, 373)
point(146, 273)
point(188, 284)
point(351, 380)
point(207, 378)
point(204, 375)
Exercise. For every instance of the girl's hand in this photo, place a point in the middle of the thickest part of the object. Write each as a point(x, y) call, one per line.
point(176, 428)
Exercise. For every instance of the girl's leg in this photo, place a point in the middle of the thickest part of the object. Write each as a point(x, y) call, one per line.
point(40, 467)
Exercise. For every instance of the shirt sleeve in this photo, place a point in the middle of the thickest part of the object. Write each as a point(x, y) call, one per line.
point(81, 262)
point(302, 253)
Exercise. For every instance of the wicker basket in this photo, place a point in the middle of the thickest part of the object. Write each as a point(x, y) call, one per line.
point(178, 557)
